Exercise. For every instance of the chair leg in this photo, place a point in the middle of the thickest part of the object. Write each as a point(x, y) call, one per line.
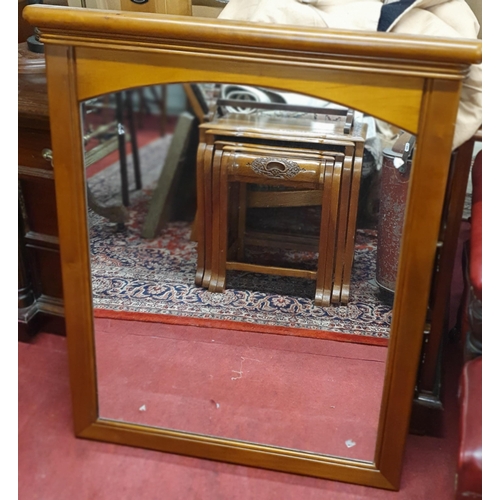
point(143, 108)
point(161, 102)
point(122, 149)
point(133, 140)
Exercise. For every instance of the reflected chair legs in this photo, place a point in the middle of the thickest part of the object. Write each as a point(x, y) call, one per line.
point(122, 145)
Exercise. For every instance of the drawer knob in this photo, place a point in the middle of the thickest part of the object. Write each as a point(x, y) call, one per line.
point(276, 168)
point(47, 154)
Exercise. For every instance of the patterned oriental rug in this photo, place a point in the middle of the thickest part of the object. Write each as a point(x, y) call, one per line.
point(153, 280)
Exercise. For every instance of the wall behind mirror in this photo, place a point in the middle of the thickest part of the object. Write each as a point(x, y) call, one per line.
point(259, 361)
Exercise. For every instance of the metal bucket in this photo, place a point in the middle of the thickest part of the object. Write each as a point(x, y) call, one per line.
point(394, 177)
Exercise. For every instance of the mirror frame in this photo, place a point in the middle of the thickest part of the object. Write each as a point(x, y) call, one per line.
point(409, 81)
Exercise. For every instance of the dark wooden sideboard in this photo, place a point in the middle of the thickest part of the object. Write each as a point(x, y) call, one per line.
point(40, 295)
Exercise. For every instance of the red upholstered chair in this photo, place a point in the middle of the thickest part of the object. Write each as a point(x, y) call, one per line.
point(469, 469)
point(470, 453)
point(475, 263)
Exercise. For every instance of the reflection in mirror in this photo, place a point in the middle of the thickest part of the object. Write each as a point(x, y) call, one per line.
point(243, 262)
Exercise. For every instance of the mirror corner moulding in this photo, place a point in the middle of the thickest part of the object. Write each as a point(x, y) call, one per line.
point(413, 84)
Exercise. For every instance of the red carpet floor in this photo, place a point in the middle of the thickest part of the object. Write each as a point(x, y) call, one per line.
point(54, 465)
point(295, 392)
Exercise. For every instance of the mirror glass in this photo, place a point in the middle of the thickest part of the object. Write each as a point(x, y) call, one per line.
point(244, 244)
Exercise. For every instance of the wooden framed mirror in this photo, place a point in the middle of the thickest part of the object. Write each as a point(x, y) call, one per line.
point(411, 82)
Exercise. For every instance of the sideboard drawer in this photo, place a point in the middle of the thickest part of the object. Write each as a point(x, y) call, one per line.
point(32, 143)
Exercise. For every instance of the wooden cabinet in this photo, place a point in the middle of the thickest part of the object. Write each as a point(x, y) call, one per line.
point(40, 296)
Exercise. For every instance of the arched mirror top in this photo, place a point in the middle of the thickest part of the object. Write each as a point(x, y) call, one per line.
point(382, 74)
